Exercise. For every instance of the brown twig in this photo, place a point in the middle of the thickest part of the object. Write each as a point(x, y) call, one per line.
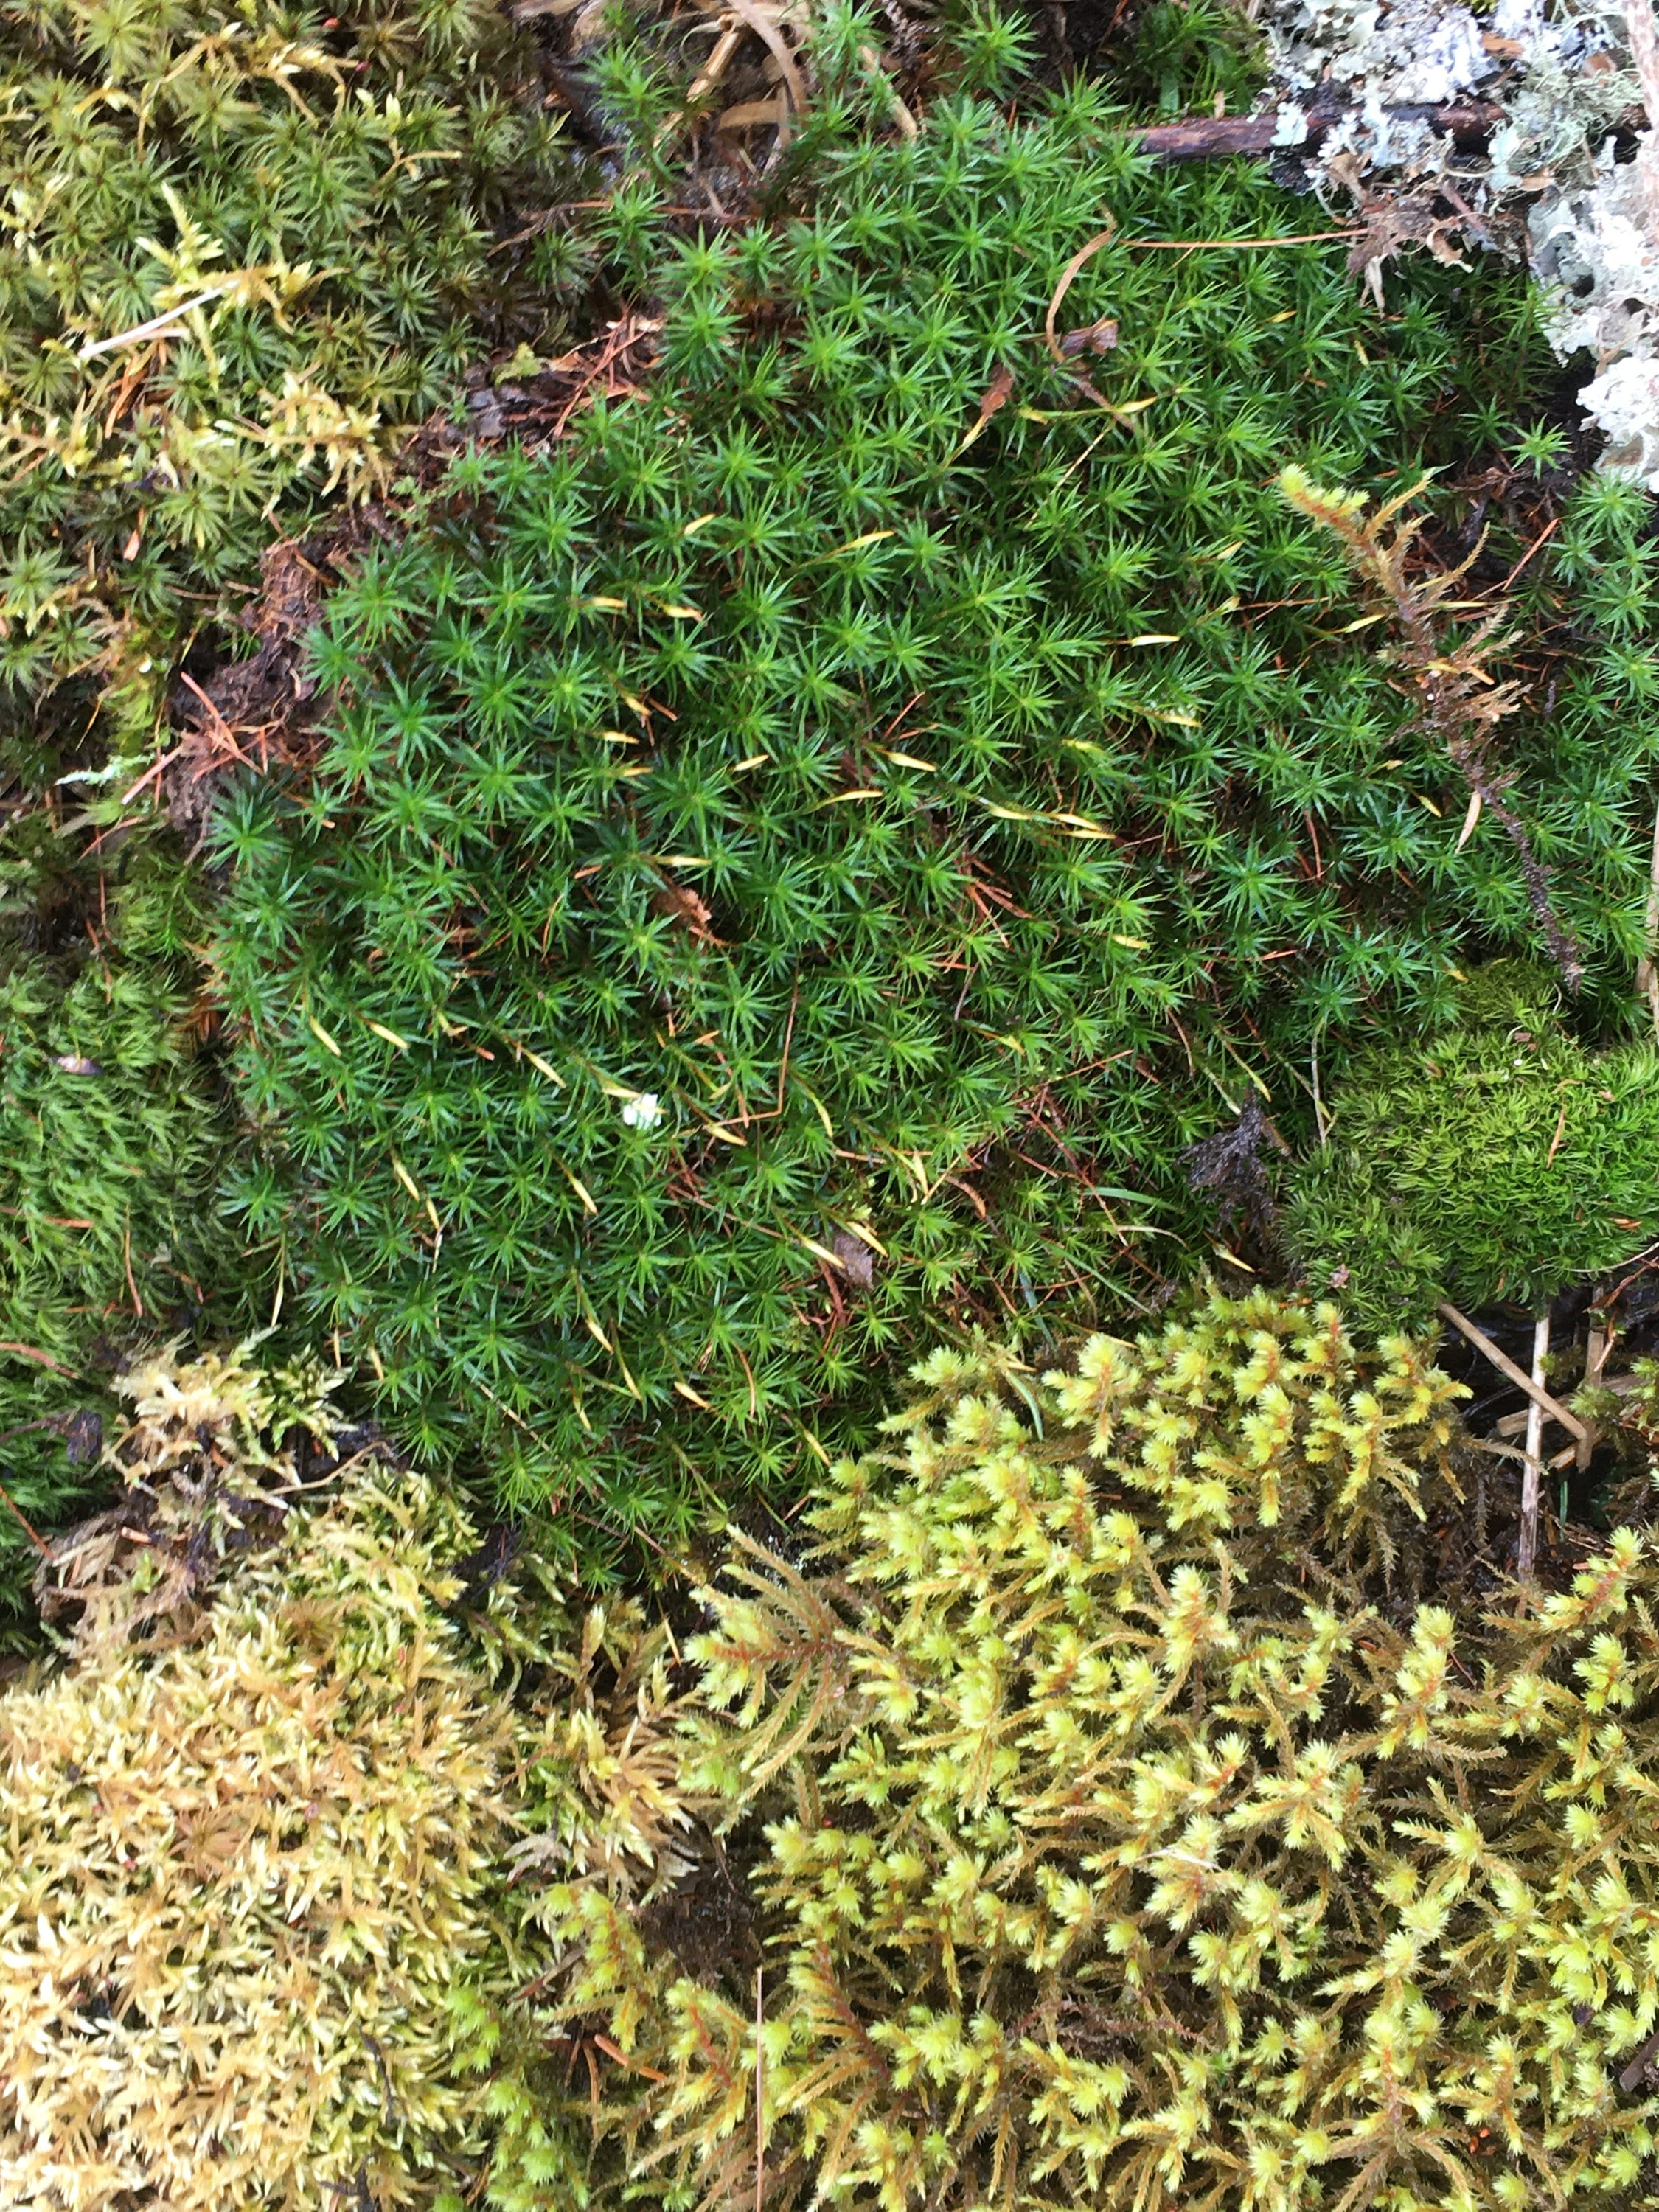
point(27, 1528)
point(1467, 756)
point(1211, 138)
point(1537, 546)
point(1532, 1474)
point(126, 1261)
point(40, 1358)
point(1505, 1366)
point(1631, 2080)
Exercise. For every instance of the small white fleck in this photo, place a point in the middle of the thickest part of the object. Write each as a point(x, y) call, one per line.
point(643, 1112)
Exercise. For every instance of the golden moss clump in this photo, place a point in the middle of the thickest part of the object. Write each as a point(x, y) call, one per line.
point(1119, 1811)
point(253, 1945)
point(1123, 1824)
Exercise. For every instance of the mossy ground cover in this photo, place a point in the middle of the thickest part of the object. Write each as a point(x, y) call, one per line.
point(1110, 1797)
point(779, 872)
point(808, 850)
point(243, 249)
point(1492, 1159)
point(114, 1131)
point(795, 860)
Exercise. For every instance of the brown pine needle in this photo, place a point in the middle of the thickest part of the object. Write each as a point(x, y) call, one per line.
point(1233, 245)
point(24, 1523)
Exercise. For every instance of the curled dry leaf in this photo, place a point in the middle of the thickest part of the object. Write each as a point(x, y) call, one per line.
point(1094, 338)
point(680, 902)
point(854, 1259)
point(992, 401)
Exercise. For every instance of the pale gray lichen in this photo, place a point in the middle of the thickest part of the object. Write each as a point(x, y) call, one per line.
point(1561, 75)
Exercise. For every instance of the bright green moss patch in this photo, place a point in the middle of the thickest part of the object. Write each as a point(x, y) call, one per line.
point(1496, 1159)
point(786, 865)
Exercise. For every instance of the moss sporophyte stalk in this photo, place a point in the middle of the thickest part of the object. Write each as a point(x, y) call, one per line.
point(935, 770)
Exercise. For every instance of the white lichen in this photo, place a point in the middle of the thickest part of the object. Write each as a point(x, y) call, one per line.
point(1561, 75)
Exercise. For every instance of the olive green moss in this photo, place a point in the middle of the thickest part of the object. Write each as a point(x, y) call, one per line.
point(1496, 1159)
point(319, 196)
point(114, 1131)
point(1124, 1809)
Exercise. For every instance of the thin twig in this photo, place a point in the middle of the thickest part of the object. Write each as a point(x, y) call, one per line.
point(1505, 1366)
point(1597, 1346)
point(1318, 1103)
point(1533, 1475)
point(126, 1261)
point(1537, 546)
point(1212, 137)
point(40, 1358)
point(28, 1530)
point(1467, 757)
point(1233, 245)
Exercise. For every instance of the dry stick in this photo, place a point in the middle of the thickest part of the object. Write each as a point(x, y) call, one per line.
point(1467, 759)
point(908, 127)
point(1597, 1346)
point(1208, 138)
point(16, 1513)
point(1532, 1476)
point(707, 79)
point(1537, 546)
point(40, 1358)
point(1518, 1375)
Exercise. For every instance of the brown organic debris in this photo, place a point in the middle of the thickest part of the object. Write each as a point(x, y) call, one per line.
point(681, 904)
point(537, 405)
point(1461, 699)
point(248, 712)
